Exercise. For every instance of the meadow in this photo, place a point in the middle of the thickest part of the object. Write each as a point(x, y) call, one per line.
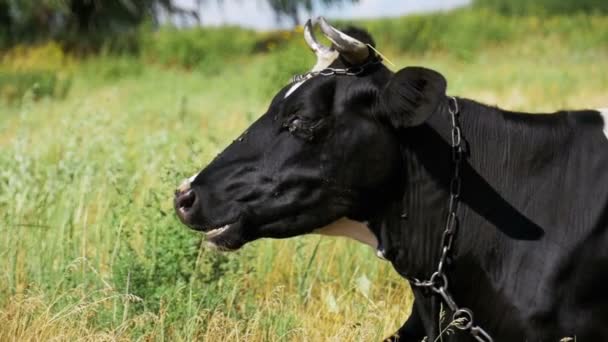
point(92, 148)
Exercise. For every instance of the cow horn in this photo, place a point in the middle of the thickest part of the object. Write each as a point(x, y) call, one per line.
point(353, 50)
point(309, 36)
point(325, 55)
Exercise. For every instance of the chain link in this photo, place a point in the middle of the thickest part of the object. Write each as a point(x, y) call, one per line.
point(352, 71)
point(438, 282)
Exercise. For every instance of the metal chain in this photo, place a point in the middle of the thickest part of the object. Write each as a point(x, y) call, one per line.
point(438, 282)
point(353, 71)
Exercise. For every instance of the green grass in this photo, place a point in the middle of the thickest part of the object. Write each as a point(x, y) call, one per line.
point(89, 245)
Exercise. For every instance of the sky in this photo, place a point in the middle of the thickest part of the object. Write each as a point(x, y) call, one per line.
point(258, 15)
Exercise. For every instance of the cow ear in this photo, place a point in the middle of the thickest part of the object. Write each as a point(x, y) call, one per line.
point(411, 96)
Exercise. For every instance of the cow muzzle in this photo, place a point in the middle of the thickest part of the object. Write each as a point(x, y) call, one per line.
point(185, 201)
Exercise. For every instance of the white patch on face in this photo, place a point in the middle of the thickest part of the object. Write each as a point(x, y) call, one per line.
point(351, 229)
point(323, 62)
point(185, 185)
point(604, 114)
point(294, 87)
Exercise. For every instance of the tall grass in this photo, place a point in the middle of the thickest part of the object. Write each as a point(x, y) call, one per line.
point(544, 7)
point(90, 248)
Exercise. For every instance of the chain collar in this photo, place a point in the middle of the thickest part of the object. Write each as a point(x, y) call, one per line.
point(352, 71)
point(438, 282)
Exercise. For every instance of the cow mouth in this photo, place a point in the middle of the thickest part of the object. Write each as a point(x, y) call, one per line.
point(216, 232)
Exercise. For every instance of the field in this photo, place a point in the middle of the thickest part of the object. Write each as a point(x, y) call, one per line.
point(89, 246)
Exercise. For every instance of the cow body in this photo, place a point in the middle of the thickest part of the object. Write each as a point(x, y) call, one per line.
point(354, 149)
point(530, 257)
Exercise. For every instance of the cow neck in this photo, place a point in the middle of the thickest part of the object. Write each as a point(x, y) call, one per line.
point(428, 170)
point(411, 228)
point(416, 243)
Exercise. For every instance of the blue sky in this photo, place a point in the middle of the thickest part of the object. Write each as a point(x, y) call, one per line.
point(256, 13)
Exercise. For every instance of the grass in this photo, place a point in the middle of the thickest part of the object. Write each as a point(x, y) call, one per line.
point(91, 250)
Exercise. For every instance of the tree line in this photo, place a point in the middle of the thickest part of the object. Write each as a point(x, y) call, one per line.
point(91, 24)
point(93, 20)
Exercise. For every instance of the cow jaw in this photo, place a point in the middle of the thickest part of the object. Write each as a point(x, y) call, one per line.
point(217, 231)
point(215, 236)
point(351, 229)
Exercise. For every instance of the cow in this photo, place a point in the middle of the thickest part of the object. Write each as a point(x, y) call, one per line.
point(510, 209)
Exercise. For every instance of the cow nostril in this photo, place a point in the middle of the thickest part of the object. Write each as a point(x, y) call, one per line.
point(186, 200)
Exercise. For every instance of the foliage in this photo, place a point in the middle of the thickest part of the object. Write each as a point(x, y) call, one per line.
point(47, 56)
point(81, 24)
point(110, 68)
point(87, 25)
point(544, 7)
point(465, 33)
point(35, 85)
point(461, 33)
point(35, 72)
point(203, 49)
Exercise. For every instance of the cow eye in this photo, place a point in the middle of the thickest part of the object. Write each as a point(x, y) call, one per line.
point(295, 124)
point(301, 127)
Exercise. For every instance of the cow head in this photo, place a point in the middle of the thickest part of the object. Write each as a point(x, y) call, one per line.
point(326, 149)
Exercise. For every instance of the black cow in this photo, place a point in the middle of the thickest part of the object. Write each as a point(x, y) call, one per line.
point(354, 149)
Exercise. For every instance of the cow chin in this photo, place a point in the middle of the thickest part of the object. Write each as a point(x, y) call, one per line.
point(226, 238)
point(232, 237)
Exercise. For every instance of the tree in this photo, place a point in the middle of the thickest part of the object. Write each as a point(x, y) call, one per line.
point(293, 8)
point(88, 24)
point(31, 20)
